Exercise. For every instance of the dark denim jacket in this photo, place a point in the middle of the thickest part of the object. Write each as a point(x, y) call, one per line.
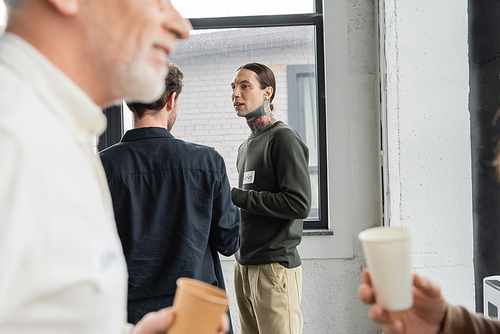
point(174, 213)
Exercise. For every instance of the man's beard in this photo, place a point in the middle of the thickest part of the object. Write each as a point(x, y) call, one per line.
point(137, 81)
point(131, 77)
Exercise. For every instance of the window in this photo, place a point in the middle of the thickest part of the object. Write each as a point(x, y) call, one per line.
point(303, 116)
point(287, 37)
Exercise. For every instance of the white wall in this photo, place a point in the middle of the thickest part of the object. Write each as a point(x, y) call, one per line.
point(428, 129)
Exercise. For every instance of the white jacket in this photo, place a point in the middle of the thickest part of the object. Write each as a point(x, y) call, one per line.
point(62, 268)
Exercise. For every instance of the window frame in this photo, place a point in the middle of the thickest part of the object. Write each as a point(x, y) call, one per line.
point(114, 130)
point(311, 19)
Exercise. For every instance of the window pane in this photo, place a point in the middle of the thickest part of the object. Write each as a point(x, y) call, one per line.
point(308, 129)
point(209, 60)
point(303, 116)
point(226, 8)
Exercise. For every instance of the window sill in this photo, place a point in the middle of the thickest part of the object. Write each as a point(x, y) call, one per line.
point(316, 233)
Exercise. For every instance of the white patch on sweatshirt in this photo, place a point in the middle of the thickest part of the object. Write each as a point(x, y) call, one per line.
point(249, 177)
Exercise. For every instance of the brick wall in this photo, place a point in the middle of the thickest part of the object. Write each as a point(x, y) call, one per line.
point(209, 60)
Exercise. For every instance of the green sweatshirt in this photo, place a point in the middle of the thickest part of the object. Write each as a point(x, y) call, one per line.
point(274, 196)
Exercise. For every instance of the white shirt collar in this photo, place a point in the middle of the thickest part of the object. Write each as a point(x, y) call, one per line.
point(62, 97)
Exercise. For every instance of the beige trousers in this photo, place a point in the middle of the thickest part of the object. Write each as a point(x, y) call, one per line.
point(268, 298)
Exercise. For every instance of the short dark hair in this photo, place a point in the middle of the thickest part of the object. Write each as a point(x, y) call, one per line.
point(173, 84)
point(265, 76)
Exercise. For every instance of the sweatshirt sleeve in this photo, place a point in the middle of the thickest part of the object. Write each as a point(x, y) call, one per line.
point(290, 157)
point(460, 321)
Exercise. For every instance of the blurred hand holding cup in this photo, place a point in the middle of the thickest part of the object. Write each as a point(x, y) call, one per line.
point(199, 307)
point(387, 253)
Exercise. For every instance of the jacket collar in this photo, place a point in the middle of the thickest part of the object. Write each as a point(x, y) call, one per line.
point(146, 133)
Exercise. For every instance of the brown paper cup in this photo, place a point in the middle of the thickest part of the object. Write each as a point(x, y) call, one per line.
point(199, 307)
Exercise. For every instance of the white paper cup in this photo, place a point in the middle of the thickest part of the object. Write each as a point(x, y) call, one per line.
point(388, 256)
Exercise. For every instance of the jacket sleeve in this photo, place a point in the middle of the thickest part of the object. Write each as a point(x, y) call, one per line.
point(460, 321)
point(226, 221)
point(290, 157)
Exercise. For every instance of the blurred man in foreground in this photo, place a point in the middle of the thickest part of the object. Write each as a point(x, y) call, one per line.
point(61, 61)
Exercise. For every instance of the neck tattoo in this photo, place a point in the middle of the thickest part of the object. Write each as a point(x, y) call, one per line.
point(261, 118)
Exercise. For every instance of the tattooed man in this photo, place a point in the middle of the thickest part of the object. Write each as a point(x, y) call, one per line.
point(274, 196)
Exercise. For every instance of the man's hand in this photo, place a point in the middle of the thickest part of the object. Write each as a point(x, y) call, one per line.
point(159, 322)
point(424, 317)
